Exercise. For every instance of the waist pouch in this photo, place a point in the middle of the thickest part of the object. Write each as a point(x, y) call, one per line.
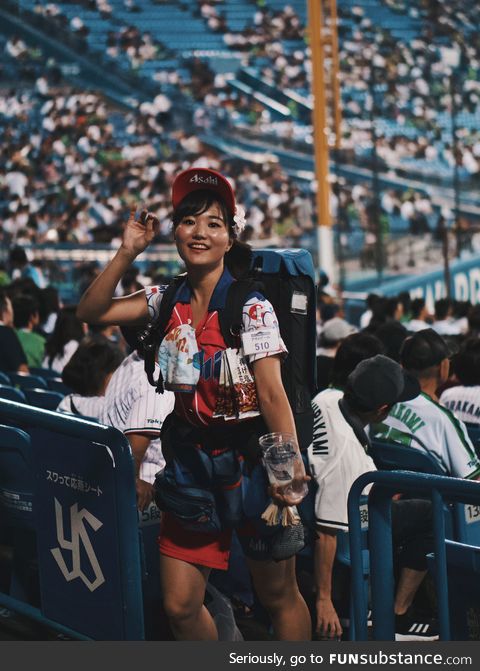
point(194, 507)
point(201, 483)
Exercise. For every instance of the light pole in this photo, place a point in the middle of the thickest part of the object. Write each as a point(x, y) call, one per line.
point(375, 208)
point(451, 59)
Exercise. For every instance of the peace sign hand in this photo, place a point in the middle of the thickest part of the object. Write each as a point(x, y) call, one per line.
point(138, 234)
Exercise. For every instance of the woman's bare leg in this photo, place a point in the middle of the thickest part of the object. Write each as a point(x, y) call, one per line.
point(183, 590)
point(276, 587)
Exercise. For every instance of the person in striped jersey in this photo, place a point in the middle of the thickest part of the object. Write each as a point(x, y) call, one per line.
point(131, 405)
point(423, 423)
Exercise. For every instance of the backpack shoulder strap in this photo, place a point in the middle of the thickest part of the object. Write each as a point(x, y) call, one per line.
point(230, 318)
point(151, 336)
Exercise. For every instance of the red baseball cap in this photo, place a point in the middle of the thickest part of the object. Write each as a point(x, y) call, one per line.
point(195, 179)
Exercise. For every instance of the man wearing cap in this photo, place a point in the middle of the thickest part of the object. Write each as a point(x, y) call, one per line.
point(337, 456)
point(422, 422)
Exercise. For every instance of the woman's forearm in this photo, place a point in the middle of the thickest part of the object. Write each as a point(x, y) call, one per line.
point(276, 412)
point(95, 305)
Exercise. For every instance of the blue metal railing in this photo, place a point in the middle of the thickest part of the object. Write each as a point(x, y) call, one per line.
point(386, 484)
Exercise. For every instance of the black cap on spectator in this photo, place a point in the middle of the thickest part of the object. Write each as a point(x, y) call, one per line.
point(380, 381)
point(423, 350)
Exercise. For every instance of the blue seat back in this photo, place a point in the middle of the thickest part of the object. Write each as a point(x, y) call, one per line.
point(25, 381)
point(393, 456)
point(16, 477)
point(463, 520)
point(43, 398)
point(86, 523)
point(46, 373)
point(12, 393)
point(55, 384)
point(4, 378)
point(474, 435)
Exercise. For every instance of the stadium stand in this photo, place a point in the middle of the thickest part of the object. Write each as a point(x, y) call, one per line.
point(237, 102)
point(148, 90)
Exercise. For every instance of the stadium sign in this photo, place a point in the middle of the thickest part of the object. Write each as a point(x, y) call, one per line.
point(465, 283)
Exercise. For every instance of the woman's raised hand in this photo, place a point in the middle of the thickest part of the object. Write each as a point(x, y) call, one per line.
point(139, 233)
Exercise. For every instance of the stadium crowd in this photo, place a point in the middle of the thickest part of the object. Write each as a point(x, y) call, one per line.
point(72, 165)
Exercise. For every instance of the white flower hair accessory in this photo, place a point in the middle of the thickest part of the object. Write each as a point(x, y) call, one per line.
point(239, 219)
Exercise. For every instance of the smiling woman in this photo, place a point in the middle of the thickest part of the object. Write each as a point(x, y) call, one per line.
point(206, 448)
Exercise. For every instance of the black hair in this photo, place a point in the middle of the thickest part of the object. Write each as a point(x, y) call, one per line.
point(18, 256)
point(461, 309)
point(371, 300)
point(474, 318)
point(24, 307)
point(405, 299)
point(353, 349)
point(198, 202)
point(391, 306)
point(392, 334)
point(442, 306)
point(416, 307)
point(239, 256)
point(466, 364)
point(90, 364)
point(67, 327)
point(49, 302)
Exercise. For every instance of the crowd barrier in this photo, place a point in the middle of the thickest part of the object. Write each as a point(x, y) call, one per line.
point(460, 557)
point(77, 519)
point(462, 521)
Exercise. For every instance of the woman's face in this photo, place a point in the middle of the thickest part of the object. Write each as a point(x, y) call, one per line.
point(203, 239)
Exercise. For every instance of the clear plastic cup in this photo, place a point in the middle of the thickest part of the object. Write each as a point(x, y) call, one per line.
point(280, 458)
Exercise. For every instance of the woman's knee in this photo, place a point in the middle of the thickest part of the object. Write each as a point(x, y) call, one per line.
point(277, 591)
point(181, 608)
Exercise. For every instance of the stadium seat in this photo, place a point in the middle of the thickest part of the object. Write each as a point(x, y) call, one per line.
point(16, 507)
point(44, 372)
point(392, 456)
point(463, 570)
point(83, 479)
point(25, 381)
point(12, 393)
point(474, 435)
point(56, 384)
point(4, 378)
point(43, 398)
point(462, 520)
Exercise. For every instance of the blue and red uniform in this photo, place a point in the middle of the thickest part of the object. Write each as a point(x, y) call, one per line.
point(196, 409)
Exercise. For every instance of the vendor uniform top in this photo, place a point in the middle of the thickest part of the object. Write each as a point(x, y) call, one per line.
point(426, 425)
point(198, 407)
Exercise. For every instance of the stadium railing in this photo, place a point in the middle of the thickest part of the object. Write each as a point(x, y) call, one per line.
point(78, 493)
point(462, 520)
point(385, 484)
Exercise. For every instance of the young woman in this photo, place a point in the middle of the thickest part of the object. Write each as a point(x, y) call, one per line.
point(67, 334)
point(205, 225)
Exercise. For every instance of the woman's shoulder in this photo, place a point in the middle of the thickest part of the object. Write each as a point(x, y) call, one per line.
point(154, 294)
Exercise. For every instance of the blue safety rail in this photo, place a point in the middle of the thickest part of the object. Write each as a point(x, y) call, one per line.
point(84, 518)
point(386, 484)
point(462, 520)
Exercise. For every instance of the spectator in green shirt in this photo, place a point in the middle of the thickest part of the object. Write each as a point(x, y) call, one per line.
point(26, 319)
